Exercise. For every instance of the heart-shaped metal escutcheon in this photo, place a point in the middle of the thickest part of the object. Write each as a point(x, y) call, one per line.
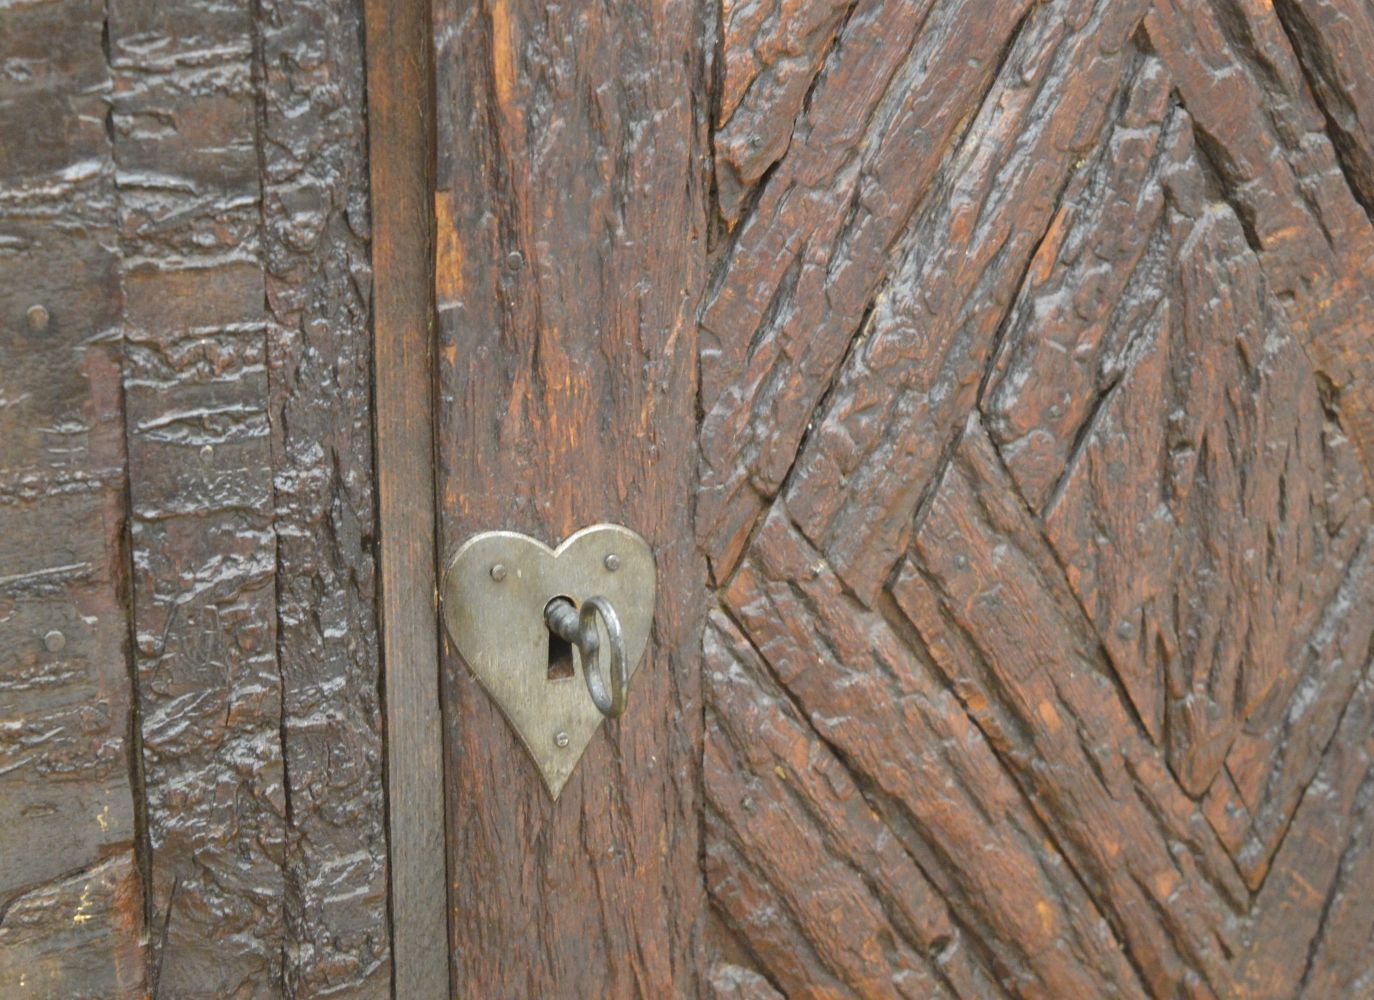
point(496, 589)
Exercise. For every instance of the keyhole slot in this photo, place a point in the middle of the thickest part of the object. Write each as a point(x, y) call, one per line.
point(561, 666)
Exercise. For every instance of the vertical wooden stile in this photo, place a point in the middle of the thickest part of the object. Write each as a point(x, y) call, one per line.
point(401, 128)
point(570, 240)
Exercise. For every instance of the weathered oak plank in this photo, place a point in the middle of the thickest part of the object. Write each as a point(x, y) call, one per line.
point(184, 124)
point(571, 222)
point(771, 54)
point(799, 277)
point(79, 937)
point(1334, 40)
point(801, 864)
point(1145, 264)
point(990, 604)
point(1311, 932)
point(1265, 139)
point(901, 398)
point(315, 245)
point(242, 179)
point(931, 774)
point(71, 896)
point(1031, 462)
point(401, 145)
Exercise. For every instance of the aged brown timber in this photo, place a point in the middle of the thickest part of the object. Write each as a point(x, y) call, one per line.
point(71, 896)
point(312, 124)
point(1036, 385)
point(238, 139)
point(570, 205)
point(993, 380)
point(401, 127)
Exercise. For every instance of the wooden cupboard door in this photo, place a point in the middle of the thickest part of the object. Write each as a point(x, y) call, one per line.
point(991, 378)
point(1036, 453)
point(992, 381)
point(570, 206)
point(1036, 459)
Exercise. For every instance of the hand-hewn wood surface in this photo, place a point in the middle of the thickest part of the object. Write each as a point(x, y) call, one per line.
point(71, 907)
point(190, 203)
point(993, 381)
point(312, 127)
point(1037, 440)
point(238, 137)
point(570, 206)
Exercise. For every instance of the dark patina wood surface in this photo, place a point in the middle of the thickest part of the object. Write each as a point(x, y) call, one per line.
point(71, 895)
point(197, 770)
point(1037, 450)
point(401, 148)
point(241, 166)
point(570, 204)
point(993, 380)
point(1035, 437)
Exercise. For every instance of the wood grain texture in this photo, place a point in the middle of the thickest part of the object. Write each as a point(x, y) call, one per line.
point(401, 142)
point(79, 937)
point(1334, 40)
point(194, 220)
point(238, 136)
point(1037, 492)
point(823, 841)
point(314, 189)
point(926, 767)
point(1103, 791)
point(771, 53)
point(992, 380)
point(570, 206)
point(200, 456)
point(71, 900)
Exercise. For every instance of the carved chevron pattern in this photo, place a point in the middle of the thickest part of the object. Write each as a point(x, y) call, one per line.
point(1037, 499)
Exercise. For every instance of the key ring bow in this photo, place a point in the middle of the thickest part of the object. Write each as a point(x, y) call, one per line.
point(579, 629)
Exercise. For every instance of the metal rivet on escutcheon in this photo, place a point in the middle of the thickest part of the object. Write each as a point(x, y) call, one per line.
point(590, 600)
